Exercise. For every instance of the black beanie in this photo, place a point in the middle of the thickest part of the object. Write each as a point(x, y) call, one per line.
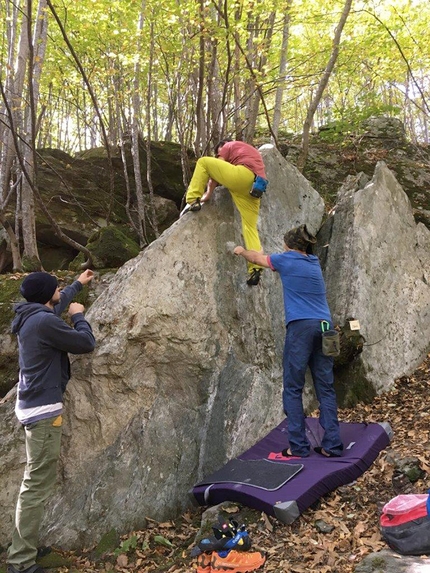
point(39, 287)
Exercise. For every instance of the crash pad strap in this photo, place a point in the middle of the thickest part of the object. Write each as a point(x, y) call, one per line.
point(263, 474)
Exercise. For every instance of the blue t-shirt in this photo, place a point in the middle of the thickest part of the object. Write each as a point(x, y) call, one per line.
point(303, 284)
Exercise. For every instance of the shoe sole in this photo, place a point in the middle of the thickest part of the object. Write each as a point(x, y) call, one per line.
point(221, 563)
point(204, 563)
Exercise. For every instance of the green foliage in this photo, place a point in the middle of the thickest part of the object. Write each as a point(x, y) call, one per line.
point(160, 540)
point(384, 56)
point(335, 131)
point(126, 545)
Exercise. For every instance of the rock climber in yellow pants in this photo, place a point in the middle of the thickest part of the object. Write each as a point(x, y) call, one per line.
point(235, 166)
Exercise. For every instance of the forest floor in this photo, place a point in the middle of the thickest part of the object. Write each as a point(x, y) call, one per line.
point(349, 515)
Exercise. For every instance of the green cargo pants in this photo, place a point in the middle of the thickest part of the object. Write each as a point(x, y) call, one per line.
point(42, 442)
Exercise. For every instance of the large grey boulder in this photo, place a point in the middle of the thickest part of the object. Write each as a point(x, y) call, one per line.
point(388, 561)
point(377, 269)
point(187, 371)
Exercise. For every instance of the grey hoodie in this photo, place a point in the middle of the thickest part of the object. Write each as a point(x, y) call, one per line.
point(44, 340)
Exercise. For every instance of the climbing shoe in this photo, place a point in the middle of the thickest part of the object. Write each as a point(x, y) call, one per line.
point(223, 528)
point(32, 569)
point(194, 206)
point(227, 535)
point(238, 562)
point(204, 563)
point(241, 542)
point(43, 551)
point(254, 277)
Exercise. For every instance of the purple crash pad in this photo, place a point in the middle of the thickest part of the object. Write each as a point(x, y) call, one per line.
point(318, 476)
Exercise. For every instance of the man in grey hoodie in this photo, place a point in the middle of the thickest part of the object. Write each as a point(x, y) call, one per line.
point(44, 339)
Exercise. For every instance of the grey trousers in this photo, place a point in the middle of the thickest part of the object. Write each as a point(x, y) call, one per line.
point(42, 442)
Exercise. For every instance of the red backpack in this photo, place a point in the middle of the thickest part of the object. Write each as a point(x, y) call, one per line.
point(405, 524)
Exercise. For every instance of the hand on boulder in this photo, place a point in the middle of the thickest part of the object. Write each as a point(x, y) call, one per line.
point(86, 277)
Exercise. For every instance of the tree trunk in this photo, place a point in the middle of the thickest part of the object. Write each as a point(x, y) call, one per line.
point(12, 92)
point(37, 45)
point(250, 66)
point(153, 217)
point(28, 217)
point(135, 139)
point(256, 98)
point(238, 123)
point(282, 69)
point(216, 91)
point(301, 161)
point(199, 143)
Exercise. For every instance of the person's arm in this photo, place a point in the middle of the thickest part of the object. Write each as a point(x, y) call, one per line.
point(254, 257)
point(69, 292)
point(56, 333)
point(212, 184)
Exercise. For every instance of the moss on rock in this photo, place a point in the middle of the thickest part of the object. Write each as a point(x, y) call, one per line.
point(54, 560)
point(9, 294)
point(352, 386)
point(108, 543)
point(111, 247)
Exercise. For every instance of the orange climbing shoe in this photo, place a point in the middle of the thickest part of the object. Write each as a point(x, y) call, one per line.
point(238, 562)
point(204, 563)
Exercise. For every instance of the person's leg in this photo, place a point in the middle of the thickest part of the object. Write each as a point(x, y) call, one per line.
point(43, 440)
point(322, 374)
point(297, 350)
point(226, 174)
point(238, 180)
point(248, 208)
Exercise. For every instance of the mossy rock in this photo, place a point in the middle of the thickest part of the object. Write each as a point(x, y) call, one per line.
point(352, 386)
point(9, 294)
point(54, 560)
point(8, 372)
point(108, 543)
point(110, 247)
point(378, 562)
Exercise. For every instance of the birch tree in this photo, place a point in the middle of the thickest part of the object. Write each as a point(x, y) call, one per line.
point(136, 110)
point(277, 110)
point(11, 101)
point(36, 51)
point(301, 161)
point(150, 89)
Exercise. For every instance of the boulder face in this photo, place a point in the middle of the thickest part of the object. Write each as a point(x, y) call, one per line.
point(387, 561)
point(186, 374)
point(376, 263)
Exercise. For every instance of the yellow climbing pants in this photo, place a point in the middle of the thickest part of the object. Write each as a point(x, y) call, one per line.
point(238, 180)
